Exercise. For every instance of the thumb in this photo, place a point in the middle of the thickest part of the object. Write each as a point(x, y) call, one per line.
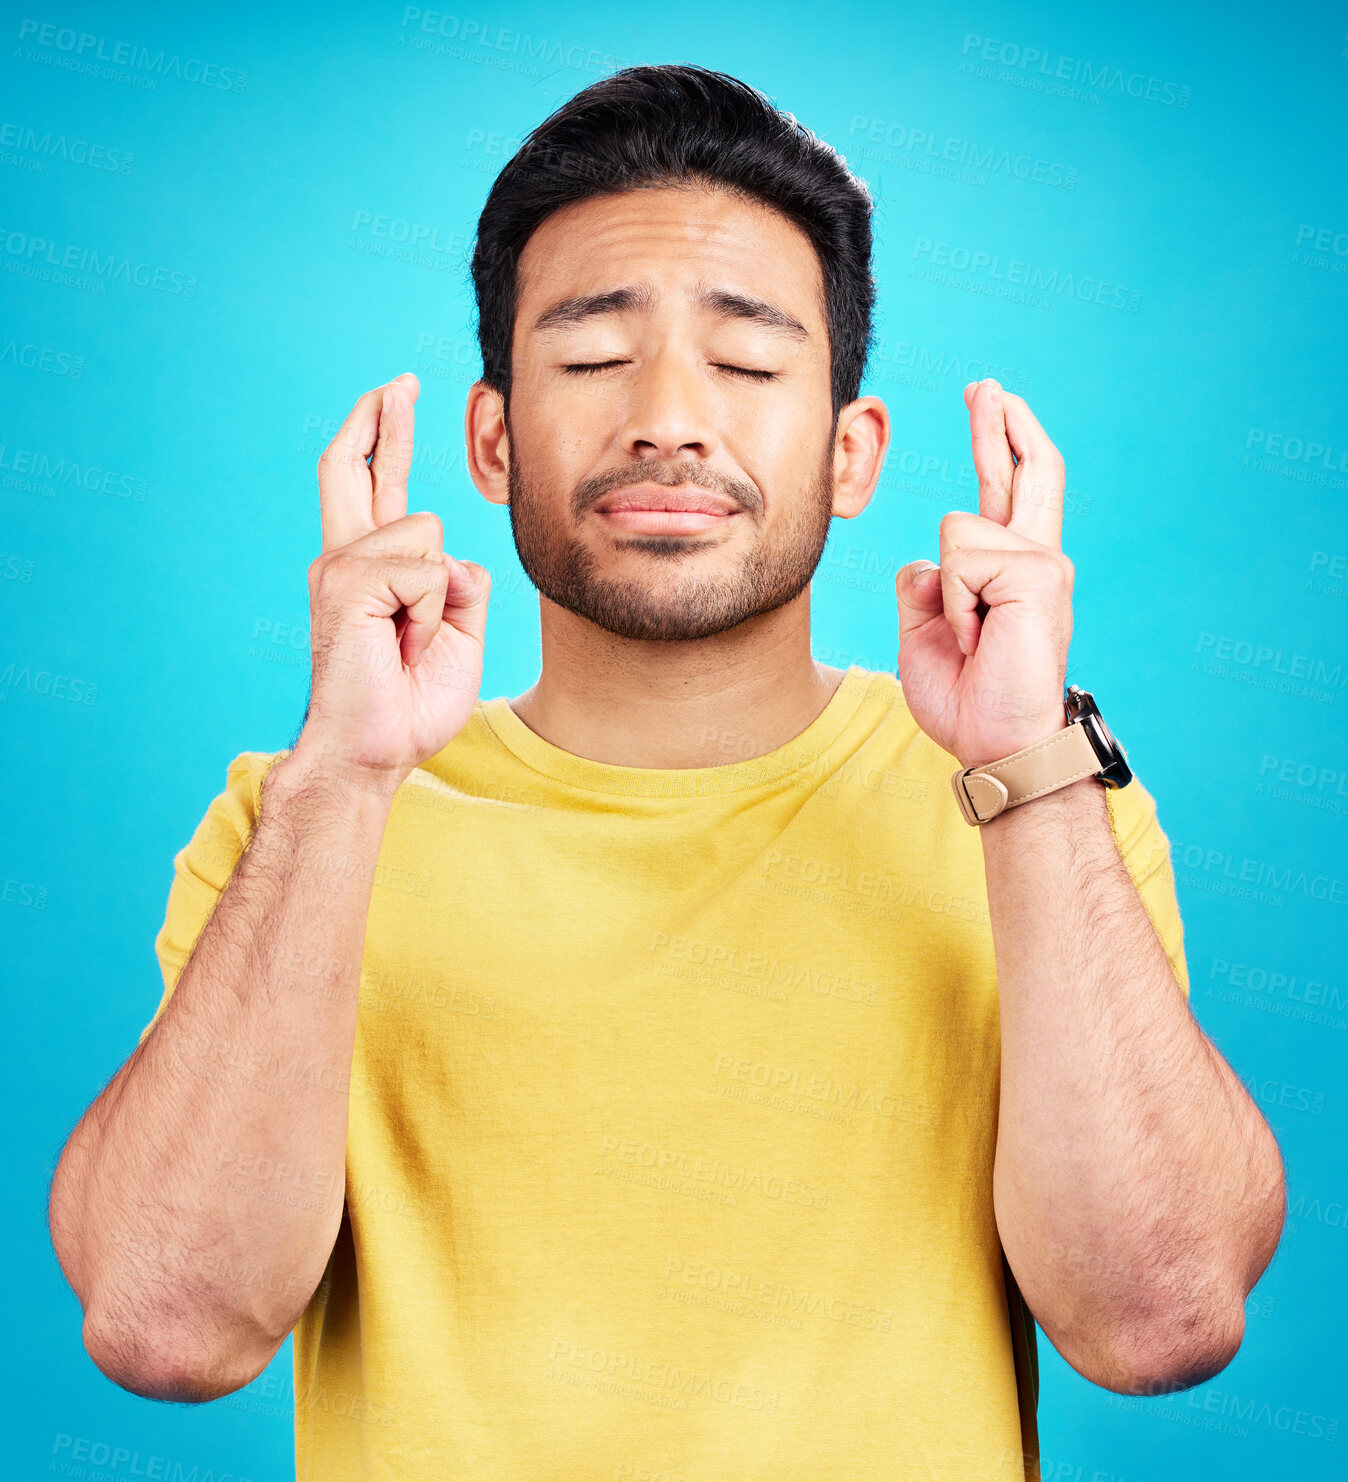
point(466, 596)
point(919, 594)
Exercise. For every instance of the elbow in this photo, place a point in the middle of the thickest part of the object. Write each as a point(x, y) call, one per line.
point(1164, 1355)
point(159, 1364)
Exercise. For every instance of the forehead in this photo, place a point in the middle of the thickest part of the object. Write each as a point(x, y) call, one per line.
point(674, 238)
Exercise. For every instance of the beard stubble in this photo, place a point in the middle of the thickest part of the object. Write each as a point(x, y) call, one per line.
point(672, 603)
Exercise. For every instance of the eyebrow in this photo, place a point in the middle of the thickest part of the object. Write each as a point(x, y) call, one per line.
point(640, 297)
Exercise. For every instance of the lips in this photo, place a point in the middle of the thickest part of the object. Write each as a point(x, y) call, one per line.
point(653, 497)
point(652, 509)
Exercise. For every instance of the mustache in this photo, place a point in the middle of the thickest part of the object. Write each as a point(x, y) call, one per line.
point(668, 475)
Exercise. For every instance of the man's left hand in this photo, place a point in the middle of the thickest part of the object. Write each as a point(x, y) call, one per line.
point(983, 636)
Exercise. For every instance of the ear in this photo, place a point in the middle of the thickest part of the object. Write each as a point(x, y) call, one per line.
point(858, 454)
point(487, 442)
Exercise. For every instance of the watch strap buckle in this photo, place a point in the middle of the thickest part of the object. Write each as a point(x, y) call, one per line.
point(992, 795)
point(1066, 756)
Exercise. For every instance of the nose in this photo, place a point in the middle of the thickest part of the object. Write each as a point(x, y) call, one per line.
point(669, 412)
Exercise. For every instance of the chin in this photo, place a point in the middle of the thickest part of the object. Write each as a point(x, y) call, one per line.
point(633, 611)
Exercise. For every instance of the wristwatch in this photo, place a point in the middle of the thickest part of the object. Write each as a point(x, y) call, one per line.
point(1084, 748)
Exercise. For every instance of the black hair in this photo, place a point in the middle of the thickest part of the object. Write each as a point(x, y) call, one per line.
point(675, 125)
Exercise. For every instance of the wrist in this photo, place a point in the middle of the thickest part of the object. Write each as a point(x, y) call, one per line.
point(1030, 737)
point(1080, 748)
point(304, 772)
point(1053, 808)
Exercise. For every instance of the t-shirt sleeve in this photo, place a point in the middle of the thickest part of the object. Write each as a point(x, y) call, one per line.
point(202, 868)
point(1145, 848)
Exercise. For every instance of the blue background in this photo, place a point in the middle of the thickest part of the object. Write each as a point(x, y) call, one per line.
point(1193, 171)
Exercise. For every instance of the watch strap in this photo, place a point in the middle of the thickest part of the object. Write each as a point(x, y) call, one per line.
point(1063, 758)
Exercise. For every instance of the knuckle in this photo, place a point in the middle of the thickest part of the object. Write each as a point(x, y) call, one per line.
point(424, 589)
point(337, 454)
point(335, 569)
point(1053, 565)
point(434, 526)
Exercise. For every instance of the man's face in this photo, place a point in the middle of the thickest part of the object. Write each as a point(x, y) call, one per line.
point(670, 346)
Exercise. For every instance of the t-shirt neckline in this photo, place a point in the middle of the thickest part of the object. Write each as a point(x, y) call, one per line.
point(672, 782)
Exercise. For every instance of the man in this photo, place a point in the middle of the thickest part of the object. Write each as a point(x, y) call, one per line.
point(656, 1075)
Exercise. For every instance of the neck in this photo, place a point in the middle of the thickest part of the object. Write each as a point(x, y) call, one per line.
point(703, 703)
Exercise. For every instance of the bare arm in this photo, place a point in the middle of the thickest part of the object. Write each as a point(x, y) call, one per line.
point(188, 1252)
point(195, 1206)
point(1138, 1190)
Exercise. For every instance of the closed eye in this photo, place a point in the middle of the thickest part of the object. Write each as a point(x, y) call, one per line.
point(583, 368)
point(754, 375)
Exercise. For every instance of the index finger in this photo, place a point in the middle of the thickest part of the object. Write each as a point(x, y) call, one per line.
point(346, 488)
point(345, 491)
point(1041, 476)
point(993, 462)
point(391, 462)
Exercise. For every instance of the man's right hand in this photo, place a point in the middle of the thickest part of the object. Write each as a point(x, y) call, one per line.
point(396, 624)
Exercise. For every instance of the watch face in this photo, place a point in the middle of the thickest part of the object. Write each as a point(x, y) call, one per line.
point(1111, 745)
point(1116, 771)
point(1114, 768)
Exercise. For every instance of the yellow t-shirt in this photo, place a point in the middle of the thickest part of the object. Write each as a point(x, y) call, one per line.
point(672, 1117)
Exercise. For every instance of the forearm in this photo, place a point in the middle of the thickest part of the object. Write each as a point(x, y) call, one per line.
point(196, 1204)
point(1138, 1190)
